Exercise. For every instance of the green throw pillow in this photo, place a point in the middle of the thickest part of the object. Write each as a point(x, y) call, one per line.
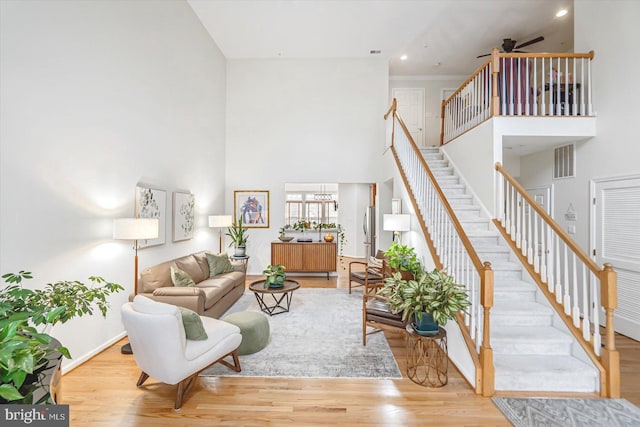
point(218, 264)
point(192, 323)
point(181, 278)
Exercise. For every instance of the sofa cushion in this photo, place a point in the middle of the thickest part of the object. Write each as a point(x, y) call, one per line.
point(218, 264)
point(181, 278)
point(193, 328)
point(190, 265)
point(215, 289)
point(228, 280)
point(201, 258)
point(142, 304)
point(156, 277)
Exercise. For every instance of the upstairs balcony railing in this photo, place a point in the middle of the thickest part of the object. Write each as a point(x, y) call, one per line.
point(520, 85)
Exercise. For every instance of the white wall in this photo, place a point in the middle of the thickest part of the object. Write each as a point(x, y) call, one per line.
point(301, 121)
point(612, 32)
point(474, 155)
point(433, 100)
point(97, 96)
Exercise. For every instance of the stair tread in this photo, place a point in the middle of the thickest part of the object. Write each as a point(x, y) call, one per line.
point(518, 308)
point(528, 334)
point(536, 364)
point(506, 285)
point(505, 266)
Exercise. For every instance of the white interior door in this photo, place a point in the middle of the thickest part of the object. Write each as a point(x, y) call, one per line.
point(544, 197)
point(410, 107)
point(616, 226)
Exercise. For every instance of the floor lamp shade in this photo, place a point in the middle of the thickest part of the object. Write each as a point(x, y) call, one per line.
point(396, 223)
point(220, 221)
point(136, 228)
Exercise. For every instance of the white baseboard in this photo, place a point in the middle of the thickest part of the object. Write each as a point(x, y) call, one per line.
point(75, 362)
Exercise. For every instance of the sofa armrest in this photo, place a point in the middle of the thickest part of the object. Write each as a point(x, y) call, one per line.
point(174, 291)
point(187, 297)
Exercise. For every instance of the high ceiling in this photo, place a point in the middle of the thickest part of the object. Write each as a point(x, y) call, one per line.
point(439, 37)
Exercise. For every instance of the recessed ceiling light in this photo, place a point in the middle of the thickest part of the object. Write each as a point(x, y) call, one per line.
point(403, 58)
point(561, 13)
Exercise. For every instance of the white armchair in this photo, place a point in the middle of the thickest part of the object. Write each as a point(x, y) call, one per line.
point(162, 351)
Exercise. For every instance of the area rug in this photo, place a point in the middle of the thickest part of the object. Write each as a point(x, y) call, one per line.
point(320, 337)
point(552, 412)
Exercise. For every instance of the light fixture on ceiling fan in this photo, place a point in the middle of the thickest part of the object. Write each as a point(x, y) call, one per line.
point(509, 45)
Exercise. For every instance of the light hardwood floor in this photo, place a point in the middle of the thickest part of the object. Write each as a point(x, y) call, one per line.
point(102, 392)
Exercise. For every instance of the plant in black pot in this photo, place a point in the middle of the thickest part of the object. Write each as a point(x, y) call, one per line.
point(429, 300)
point(28, 354)
point(275, 276)
point(239, 237)
point(403, 259)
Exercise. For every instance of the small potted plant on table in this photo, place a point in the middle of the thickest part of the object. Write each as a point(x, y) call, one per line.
point(239, 238)
point(275, 276)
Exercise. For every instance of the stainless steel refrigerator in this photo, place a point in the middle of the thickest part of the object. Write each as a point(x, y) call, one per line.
point(369, 228)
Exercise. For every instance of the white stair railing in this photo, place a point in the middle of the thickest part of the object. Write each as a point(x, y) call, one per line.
point(450, 248)
point(576, 286)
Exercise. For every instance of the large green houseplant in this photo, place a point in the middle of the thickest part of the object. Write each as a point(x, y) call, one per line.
point(431, 295)
point(25, 317)
point(239, 237)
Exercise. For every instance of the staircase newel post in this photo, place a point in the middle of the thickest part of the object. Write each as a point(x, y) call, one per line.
point(495, 69)
point(486, 352)
point(610, 356)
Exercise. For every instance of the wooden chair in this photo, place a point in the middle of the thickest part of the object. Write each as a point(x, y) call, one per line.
point(367, 274)
point(376, 312)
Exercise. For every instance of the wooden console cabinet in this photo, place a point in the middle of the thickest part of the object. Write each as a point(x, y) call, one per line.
point(312, 257)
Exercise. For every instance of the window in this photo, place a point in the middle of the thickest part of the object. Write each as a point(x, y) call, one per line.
point(306, 207)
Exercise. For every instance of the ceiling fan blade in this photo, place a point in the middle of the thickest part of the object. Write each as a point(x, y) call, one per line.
point(482, 56)
point(530, 42)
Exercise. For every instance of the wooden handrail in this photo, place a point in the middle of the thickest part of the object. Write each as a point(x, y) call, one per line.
point(392, 109)
point(475, 73)
point(554, 226)
point(588, 55)
point(461, 233)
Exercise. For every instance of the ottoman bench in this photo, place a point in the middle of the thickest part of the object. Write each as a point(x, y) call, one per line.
point(254, 328)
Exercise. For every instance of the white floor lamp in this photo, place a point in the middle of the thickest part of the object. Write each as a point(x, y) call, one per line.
point(396, 223)
point(135, 229)
point(220, 222)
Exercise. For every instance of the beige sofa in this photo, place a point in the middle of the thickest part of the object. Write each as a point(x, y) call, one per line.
point(211, 297)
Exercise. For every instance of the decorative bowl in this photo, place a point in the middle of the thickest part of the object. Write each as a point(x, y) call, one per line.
point(286, 238)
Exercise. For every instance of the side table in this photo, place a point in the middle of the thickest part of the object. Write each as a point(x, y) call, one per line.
point(241, 259)
point(427, 357)
point(281, 303)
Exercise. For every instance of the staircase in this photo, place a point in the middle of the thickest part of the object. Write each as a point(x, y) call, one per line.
point(529, 352)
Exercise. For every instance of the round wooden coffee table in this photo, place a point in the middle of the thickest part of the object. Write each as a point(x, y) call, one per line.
point(281, 296)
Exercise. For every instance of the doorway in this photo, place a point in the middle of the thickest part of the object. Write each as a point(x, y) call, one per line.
point(410, 107)
point(615, 239)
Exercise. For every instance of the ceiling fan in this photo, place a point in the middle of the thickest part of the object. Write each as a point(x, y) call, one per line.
point(508, 45)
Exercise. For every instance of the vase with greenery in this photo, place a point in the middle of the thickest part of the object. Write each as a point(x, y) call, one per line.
point(275, 276)
point(431, 295)
point(403, 258)
point(282, 233)
point(239, 237)
point(26, 315)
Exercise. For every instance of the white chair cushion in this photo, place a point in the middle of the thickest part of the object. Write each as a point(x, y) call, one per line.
point(217, 332)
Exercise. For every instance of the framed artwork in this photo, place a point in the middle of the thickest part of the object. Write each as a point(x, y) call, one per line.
point(184, 215)
point(396, 206)
point(152, 203)
point(253, 207)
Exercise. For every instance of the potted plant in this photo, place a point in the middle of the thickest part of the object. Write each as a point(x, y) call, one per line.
point(403, 259)
point(275, 276)
point(239, 237)
point(429, 300)
point(28, 353)
point(282, 234)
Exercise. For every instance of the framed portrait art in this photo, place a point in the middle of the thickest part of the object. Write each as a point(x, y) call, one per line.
point(183, 216)
point(253, 207)
point(151, 203)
